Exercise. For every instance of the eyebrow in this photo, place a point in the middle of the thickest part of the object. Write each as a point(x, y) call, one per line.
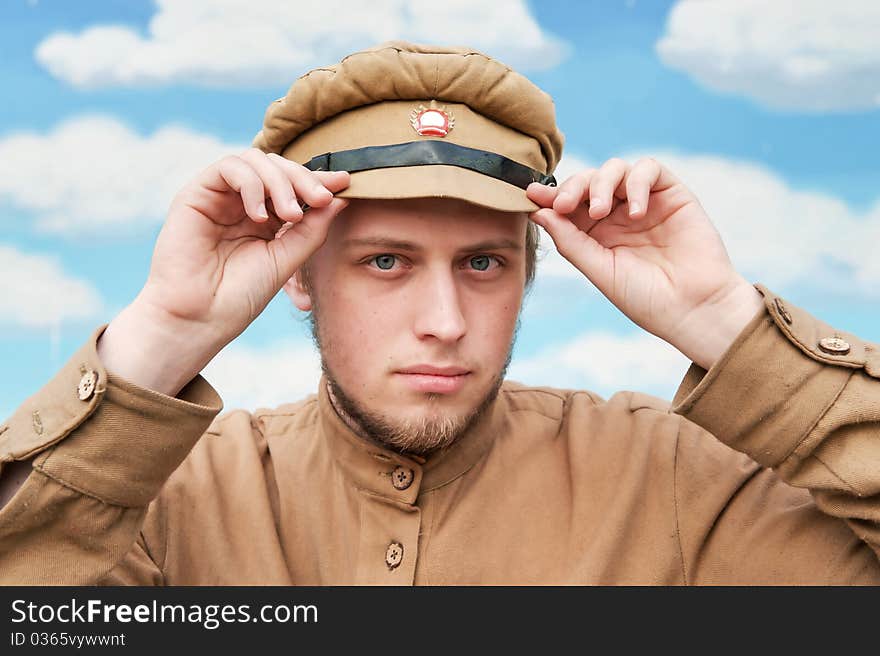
point(396, 244)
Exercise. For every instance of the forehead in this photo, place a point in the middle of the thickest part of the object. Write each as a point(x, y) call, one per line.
point(427, 221)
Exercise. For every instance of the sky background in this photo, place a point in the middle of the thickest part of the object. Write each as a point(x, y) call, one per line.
point(769, 112)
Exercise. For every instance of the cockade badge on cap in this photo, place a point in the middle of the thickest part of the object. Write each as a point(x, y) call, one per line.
point(432, 121)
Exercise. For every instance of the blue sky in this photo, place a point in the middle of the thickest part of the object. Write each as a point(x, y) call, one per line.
point(771, 115)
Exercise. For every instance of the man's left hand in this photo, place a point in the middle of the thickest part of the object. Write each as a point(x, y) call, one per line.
point(644, 240)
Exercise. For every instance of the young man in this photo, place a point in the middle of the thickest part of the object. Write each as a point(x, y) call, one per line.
point(423, 170)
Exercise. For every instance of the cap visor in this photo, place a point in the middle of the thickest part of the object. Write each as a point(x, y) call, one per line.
point(438, 181)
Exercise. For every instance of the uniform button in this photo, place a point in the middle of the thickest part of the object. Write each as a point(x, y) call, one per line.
point(402, 477)
point(86, 387)
point(834, 345)
point(394, 555)
point(38, 422)
point(783, 312)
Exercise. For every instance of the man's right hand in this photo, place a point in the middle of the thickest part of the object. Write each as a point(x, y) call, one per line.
point(221, 256)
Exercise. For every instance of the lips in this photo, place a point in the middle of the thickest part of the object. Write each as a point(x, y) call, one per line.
point(434, 379)
point(431, 370)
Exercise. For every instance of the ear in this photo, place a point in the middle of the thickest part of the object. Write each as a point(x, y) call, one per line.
point(297, 292)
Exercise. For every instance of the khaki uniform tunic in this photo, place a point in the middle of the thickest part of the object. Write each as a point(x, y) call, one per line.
point(765, 469)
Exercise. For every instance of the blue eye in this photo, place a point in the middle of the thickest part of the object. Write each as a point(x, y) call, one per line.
point(385, 262)
point(481, 262)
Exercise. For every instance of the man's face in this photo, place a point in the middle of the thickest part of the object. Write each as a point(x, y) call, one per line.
point(415, 305)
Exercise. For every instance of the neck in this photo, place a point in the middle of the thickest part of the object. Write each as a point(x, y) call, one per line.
point(349, 421)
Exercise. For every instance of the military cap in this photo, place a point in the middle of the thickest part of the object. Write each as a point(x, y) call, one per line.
point(416, 121)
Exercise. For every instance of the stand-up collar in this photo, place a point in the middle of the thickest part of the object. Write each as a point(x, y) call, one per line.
point(387, 473)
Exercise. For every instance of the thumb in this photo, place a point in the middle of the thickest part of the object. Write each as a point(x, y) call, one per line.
point(586, 254)
point(296, 244)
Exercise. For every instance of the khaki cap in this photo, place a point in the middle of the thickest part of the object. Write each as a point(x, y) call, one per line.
point(476, 111)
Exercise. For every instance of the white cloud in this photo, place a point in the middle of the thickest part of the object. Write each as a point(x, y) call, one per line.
point(264, 42)
point(808, 55)
point(264, 377)
point(94, 174)
point(774, 233)
point(606, 363)
point(37, 293)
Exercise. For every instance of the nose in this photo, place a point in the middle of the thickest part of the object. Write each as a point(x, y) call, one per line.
point(438, 311)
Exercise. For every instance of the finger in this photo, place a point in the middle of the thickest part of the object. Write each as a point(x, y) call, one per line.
point(541, 194)
point(265, 230)
point(573, 191)
point(297, 242)
point(241, 178)
point(639, 183)
point(602, 186)
point(576, 246)
point(666, 180)
point(335, 181)
point(276, 183)
point(316, 188)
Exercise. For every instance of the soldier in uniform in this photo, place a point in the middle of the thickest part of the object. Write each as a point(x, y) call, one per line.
point(394, 196)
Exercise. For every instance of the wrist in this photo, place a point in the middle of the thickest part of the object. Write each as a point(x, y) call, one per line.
point(155, 352)
point(710, 330)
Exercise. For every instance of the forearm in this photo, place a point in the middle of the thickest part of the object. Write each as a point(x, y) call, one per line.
point(149, 351)
point(811, 415)
point(154, 352)
point(97, 463)
point(706, 334)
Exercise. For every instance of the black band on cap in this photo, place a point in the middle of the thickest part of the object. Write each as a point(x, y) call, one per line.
point(426, 153)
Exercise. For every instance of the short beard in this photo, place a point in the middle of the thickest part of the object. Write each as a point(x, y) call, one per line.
point(422, 436)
